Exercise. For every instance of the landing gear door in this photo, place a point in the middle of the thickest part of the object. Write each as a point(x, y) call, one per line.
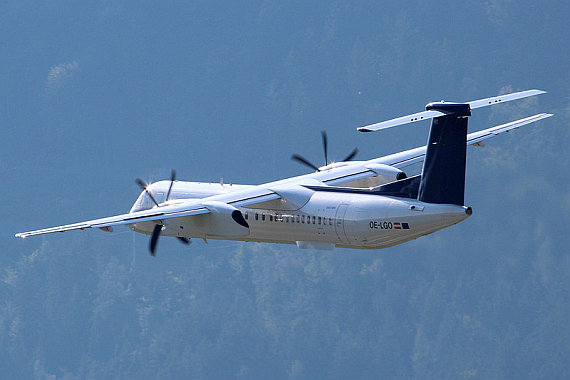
point(339, 223)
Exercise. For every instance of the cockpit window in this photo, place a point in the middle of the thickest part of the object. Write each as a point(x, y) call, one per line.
point(143, 203)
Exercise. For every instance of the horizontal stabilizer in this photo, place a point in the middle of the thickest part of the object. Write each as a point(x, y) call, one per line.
point(425, 115)
point(504, 98)
point(432, 113)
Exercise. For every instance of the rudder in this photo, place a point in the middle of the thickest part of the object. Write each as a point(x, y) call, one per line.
point(443, 173)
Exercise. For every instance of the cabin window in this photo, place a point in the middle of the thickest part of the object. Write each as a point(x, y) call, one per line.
point(297, 219)
point(303, 219)
point(246, 215)
point(314, 219)
point(330, 221)
point(319, 220)
point(271, 218)
point(263, 217)
point(256, 216)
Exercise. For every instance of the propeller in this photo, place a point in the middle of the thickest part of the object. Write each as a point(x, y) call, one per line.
point(325, 146)
point(143, 185)
point(158, 227)
point(183, 240)
point(172, 179)
point(154, 238)
point(351, 155)
point(304, 161)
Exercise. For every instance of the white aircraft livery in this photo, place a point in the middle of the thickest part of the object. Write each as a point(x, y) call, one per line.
point(354, 204)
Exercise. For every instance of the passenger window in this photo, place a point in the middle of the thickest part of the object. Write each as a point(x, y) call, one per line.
point(330, 221)
point(297, 218)
point(256, 216)
point(271, 218)
point(313, 219)
point(319, 220)
point(246, 215)
point(302, 218)
point(263, 217)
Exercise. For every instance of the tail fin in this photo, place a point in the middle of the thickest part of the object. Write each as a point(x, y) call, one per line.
point(443, 173)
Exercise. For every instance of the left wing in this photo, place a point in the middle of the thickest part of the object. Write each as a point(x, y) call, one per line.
point(157, 213)
point(167, 210)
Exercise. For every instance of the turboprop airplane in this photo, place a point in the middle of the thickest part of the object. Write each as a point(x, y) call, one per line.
point(354, 204)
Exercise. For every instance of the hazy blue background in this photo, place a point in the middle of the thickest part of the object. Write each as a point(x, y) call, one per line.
point(95, 94)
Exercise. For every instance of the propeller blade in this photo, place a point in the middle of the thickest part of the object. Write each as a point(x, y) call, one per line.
point(325, 146)
point(300, 159)
point(172, 179)
point(141, 183)
point(154, 238)
point(143, 186)
point(351, 155)
point(183, 240)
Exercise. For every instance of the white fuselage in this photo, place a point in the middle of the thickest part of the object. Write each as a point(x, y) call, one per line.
point(325, 219)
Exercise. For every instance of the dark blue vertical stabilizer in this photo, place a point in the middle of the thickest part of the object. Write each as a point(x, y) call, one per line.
point(443, 174)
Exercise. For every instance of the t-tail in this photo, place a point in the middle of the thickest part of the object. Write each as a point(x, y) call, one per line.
point(442, 180)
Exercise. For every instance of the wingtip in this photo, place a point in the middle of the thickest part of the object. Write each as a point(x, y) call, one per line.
point(543, 115)
point(364, 129)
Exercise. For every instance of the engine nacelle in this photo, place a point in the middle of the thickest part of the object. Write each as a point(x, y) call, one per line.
point(224, 220)
point(384, 174)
